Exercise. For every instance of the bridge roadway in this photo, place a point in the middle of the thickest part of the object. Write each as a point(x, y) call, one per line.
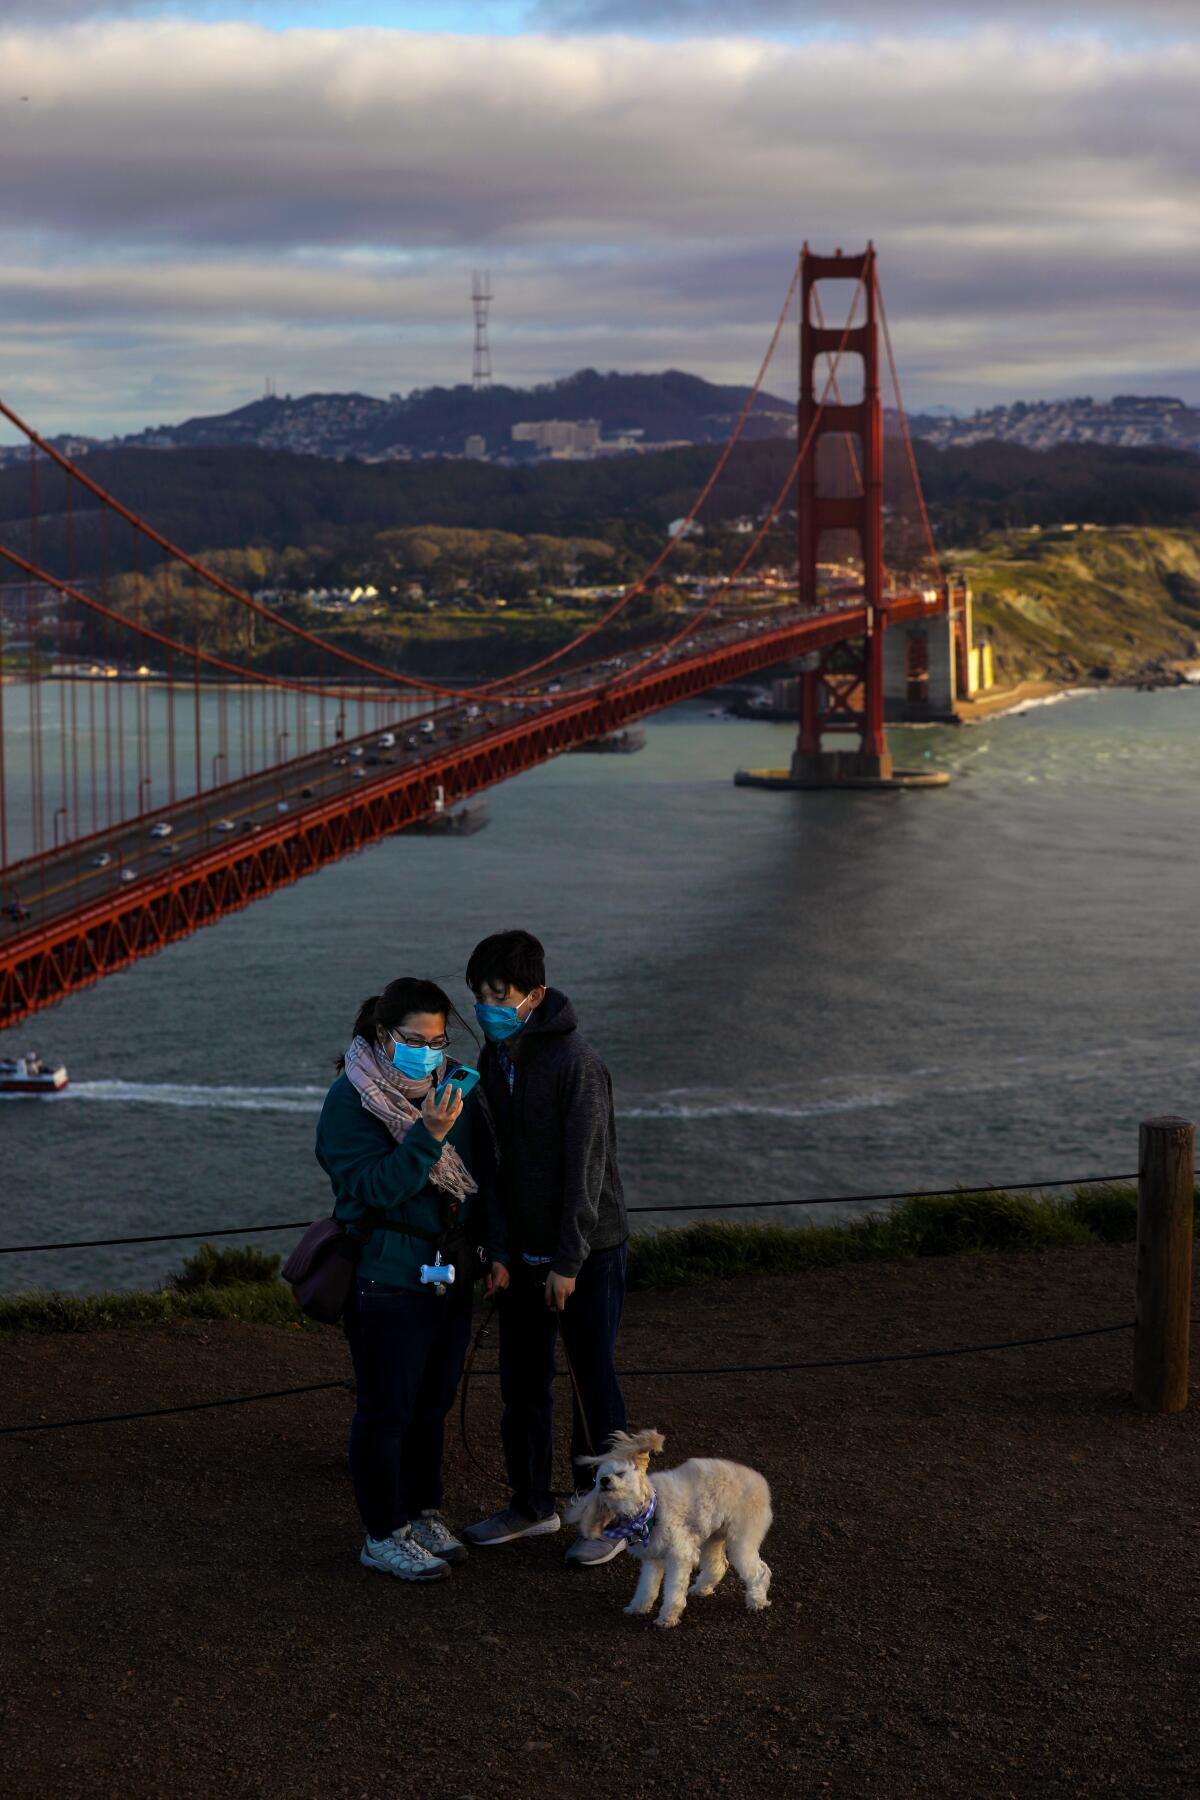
point(100, 902)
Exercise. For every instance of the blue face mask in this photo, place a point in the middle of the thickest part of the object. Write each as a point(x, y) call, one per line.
point(415, 1064)
point(498, 1022)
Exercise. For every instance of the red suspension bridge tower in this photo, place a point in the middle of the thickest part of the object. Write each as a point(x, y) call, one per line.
point(841, 685)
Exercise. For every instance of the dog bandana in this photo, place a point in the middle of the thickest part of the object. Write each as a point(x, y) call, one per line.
point(639, 1527)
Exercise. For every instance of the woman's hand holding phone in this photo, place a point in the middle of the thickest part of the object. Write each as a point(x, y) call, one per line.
point(439, 1114)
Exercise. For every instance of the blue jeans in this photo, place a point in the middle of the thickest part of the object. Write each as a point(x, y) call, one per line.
point(408, 1351)
point(528, 1336)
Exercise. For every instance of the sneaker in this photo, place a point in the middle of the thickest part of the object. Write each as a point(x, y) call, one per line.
point(433, 1534)
point(402, 1555)
point(585, 1553)
point(504, 1526)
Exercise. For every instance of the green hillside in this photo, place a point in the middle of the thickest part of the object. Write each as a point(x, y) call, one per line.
point(1096, 603)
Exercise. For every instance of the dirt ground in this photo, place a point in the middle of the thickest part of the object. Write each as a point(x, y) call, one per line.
point(985, 1569)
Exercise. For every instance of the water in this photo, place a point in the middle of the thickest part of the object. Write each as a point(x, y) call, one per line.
point(798, 994)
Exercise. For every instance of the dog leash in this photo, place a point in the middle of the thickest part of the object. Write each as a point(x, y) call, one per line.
point(578, 1395)
point(490, 1474)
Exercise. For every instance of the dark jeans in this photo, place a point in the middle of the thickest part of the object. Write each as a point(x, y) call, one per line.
point(528, 1335)
point(408, 1350)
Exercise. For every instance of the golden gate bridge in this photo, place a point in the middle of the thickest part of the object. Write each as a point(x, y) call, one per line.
point(275, 752)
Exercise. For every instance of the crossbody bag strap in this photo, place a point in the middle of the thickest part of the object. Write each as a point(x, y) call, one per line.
point(376, 1221)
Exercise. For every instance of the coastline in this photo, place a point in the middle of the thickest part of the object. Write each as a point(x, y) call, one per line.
point(996, 703)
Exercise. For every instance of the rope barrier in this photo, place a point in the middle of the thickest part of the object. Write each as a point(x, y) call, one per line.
point(160, 1412)
point(841, 1362)
point(167, 1237)
point(700, 1206)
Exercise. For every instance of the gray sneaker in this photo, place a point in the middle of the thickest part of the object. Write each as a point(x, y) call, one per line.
point(585, 1553)
point(433, 1534)
point(401, 1555)
point(503, 1527)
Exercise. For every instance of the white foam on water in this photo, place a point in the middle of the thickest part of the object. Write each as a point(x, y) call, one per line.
point(212, 1099)
point(753, 1109)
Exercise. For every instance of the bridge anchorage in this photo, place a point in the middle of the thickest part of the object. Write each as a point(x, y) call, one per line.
point(840, 689)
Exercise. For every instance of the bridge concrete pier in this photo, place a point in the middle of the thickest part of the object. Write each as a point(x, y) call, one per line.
point(843, 770)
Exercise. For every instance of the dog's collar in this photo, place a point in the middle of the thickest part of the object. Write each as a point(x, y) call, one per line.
point(639, 1527)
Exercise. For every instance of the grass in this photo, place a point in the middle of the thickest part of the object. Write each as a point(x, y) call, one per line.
point(1059, 604)
point(265, 1302)
point(243, 1284)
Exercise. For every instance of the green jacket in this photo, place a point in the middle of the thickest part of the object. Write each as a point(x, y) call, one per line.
point(370, 1171)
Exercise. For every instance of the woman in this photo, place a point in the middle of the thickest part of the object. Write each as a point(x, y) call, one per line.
point(391, 1147)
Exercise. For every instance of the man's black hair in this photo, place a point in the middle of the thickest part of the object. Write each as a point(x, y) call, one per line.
point(510, 959)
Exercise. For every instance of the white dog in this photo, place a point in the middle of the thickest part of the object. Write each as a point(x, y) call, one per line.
point(698, 1513)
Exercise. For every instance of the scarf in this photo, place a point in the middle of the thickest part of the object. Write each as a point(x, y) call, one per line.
point(639, 1527)
point(390, 1096)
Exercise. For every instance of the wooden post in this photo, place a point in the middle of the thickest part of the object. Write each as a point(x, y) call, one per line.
point(1166, 1201)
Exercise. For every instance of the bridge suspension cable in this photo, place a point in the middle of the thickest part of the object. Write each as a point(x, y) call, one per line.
point(912, 460)
point(699, 618)
point(639, 587)
point(487, 690)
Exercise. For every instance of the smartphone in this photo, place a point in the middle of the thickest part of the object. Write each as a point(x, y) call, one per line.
point(461, 1077)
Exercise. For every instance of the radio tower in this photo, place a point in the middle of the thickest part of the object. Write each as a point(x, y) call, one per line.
point(481, 294)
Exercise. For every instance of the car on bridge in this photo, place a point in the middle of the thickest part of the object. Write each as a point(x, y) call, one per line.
point(224, 825)
point(129, 874)
point(102, 859)
point(16, 910)
point(161, 830)
point(386, 742)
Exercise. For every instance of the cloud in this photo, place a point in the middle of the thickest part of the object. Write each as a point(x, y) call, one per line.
point(697, 17)
point(193, 206)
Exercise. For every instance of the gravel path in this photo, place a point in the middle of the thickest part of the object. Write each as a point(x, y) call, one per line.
point(985, 1569)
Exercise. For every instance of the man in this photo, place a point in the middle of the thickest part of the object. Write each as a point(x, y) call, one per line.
point(560, 1189)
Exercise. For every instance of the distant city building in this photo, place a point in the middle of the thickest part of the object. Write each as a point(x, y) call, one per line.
point(560, 437)
point(475, 447)
point(1130, 421)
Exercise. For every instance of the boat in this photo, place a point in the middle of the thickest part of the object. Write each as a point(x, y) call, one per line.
point(30, 1075)
point(615, 743)
point(460, 821)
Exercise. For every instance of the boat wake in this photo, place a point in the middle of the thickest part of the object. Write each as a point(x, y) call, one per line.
point(230, 1098)
point(754, 1109)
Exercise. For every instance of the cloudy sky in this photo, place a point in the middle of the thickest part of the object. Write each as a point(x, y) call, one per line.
point(200, 195)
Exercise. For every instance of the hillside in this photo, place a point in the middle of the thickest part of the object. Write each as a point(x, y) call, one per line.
point(229, 498)
point(668, 407)
point(1119, 592)
point(1102, 605)
point(209, 499)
